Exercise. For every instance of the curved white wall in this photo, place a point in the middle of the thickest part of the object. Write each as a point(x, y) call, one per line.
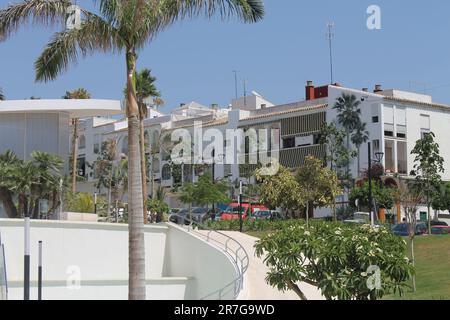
point(178, 265)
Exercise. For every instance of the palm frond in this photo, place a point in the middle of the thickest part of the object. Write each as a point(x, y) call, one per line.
point(94, 34)
point(47, 12)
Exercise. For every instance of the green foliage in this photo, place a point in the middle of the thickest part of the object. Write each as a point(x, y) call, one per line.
point(428, 163)
point(335, 258)
point(319, 184)
point(31, 181)
point(79, 202)
point(79, 93)
point(384, 197)
point(441, 198)
point(204, 192)
point(281, 190)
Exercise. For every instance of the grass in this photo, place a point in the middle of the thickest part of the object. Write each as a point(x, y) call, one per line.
point(432, 268)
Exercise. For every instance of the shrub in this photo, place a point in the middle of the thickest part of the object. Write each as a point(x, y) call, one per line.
point(337, 258)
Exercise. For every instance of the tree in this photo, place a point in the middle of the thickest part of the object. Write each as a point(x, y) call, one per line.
point(441, 198)
point(383, 196)
point(2, 96)
point(158, 204)
point(30, 181)
point(338, 259)
point(410, 197)
point(359, 137)
point(319, 184)
point(428, 165)
point(79, 93)
point(145, 88)
point(125, 27)
point(281, 190)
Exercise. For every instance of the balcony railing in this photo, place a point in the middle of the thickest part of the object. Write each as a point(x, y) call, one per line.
point(295, 157)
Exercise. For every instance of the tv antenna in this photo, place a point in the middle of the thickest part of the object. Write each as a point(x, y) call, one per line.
point(330, 37)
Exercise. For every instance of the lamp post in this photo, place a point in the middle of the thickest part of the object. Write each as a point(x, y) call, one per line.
point(240, 206)
point(379, 157)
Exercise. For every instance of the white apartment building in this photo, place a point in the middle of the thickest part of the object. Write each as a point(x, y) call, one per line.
point(395, 121)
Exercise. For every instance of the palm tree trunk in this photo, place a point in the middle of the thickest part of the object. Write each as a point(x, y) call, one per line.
point(359, 163)
point(136, 254)
point(74, 155)
point(143, 162)
point(8, 203)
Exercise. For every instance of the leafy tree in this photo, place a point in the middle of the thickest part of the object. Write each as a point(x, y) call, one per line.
point(158, 204)
point(282, 190)
point(337, 259)
point(123, 27)
point(359, 137)
point(319, 185)
point(428, 166)
point(410, 196)
point(79, 93)
point(383, 196)
point(145, 87)
point(30, 181)
point(349, 116)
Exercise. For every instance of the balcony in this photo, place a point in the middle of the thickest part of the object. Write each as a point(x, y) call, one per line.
point(295, 157)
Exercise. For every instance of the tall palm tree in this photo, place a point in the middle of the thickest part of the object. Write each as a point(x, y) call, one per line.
point(2, 96)
point(123, 26)
point(145, 87)
point(79, 93)
point(359, 137)
point(348, 116)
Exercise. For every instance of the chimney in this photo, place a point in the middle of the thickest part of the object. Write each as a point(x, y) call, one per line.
point(377, 88)
point(365, 89)
point(309, 91)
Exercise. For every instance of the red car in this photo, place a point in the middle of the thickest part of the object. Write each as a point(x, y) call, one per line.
point(233, 210)
point(440, 230)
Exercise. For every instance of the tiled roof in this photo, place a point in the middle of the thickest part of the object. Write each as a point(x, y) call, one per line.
point(269, 115)
point(425, 104)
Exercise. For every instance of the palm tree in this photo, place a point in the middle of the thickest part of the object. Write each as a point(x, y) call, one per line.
point(79, 93)
point(145, 88)
point(348, 116)
point(2, 96)
point(125, 27)
point(359, 137)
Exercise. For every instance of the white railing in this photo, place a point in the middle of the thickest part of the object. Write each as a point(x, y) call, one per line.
point(233, 249)
point(3, 279)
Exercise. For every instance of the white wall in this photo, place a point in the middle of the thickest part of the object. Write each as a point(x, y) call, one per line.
point(178, 264)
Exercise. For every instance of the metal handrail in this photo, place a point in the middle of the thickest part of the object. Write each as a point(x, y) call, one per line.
point(3, 278)
point(238, 256)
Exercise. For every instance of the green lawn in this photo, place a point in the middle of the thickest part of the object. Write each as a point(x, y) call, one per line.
point(432, 268)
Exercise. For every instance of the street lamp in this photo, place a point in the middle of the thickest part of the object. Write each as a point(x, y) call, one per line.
point(379, 157)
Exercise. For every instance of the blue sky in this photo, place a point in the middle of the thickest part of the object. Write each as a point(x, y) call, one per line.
point(194, 59)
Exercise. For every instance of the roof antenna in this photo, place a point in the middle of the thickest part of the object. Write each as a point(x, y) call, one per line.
point(330, 37)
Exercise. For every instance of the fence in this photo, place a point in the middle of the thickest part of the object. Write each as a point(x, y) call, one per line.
point(3, 279)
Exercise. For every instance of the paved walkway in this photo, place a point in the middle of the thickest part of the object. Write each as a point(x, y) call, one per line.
point(255, 286)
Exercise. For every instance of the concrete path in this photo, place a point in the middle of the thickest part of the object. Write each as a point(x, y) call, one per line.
point(255, 286)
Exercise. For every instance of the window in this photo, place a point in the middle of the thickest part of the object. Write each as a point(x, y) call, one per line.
point(82, 142)
point(375, 119)
point(388, 133)
point(376, 146)
point(96, 143)
point(166, 172)
point(125, 145)
point(289, 142)
point(401, 131)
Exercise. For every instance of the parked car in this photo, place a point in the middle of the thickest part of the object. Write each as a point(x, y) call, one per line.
point(402, 229)
point(200, 215)
point(438, 223)
point(267, 215)
point(234, 209)
point(440, 229)
point(179, 216)
point(359, 217)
